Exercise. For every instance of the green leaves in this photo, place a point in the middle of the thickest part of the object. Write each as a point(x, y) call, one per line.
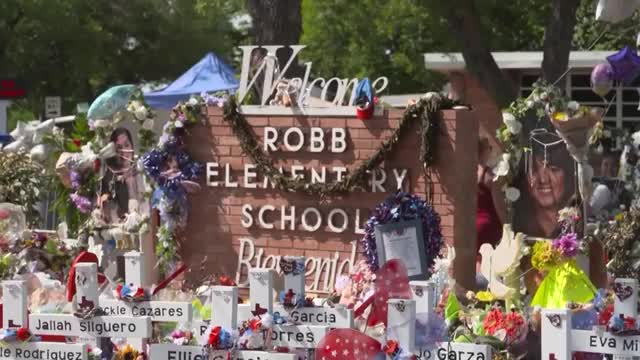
point(78, 48)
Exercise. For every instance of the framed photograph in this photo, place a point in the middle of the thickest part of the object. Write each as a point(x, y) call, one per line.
point(403, 240)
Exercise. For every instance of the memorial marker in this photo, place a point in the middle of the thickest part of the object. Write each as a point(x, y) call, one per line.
point(43, 351)
point(14, 308)
point(298, 336)
point(169, 311)
point(455, 351)
point(99, 326)
point(261, 288)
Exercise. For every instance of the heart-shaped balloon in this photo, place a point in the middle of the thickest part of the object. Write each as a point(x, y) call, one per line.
point(348, 344)
point(392, 282)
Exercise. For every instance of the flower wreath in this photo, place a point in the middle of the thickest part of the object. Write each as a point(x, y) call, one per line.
point(174, 173)
point(543, 100)
point(399, 207)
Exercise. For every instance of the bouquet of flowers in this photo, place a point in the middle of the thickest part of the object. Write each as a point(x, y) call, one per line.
point(482, 322)
point(564, 282)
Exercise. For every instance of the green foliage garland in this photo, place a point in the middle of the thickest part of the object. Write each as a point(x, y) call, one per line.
point(426, 110)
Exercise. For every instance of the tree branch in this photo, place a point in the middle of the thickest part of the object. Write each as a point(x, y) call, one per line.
point(558, 36)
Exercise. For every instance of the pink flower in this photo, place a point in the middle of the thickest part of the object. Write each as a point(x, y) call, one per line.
point(567, 245)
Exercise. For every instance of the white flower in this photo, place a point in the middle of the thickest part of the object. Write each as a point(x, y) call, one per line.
point(431, 96)
point(512, 194)
point(101, 123)
point(513, 125)
point(573, 106)
point(148, 124)
point(530, 104)
point(544, 96)
point(141, 113)
point(503, 166)
point(526, 250)
point(193, 101)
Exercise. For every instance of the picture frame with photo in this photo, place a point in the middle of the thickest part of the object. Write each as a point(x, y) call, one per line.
point(404, 241)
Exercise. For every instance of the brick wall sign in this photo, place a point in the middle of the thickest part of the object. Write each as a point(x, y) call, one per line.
point(240, 221)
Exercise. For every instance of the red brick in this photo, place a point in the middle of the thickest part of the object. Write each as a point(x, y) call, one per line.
point(215, 213)
point(280, 121)
point(258, 120)
point(222, 150)
point(333, 122)
point(221, 131)
point(228, 140)
point(305, 244)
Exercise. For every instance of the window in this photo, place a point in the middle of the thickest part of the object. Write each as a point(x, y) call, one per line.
point(621, 103)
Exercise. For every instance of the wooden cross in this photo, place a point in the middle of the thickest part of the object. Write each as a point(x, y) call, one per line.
point(14, 315)
point(98, 326)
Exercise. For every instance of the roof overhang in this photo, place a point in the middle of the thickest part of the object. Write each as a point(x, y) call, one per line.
point(513, 60)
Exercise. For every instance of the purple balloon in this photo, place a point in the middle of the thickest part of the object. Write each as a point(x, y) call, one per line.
point(625, 64)
point(602, 79)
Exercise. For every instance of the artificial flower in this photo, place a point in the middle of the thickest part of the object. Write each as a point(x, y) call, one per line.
point(568, 214)
point(22, 334)
point(573, 106)
point(513, 125)
point(503, 167)
point(512, 194)
point(493, 321)
point(484, 296)
point(544, 255)
point(226, 281)
point(567, 245)
point(560, 116)
point(82, 203)
point(514, 325)
point(605, 315)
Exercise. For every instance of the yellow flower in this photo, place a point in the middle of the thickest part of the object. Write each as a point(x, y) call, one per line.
point(484, 296)
point(560, 116)
point(126, 353)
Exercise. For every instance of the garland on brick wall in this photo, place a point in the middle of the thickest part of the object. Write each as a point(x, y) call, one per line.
point(426, 111)
point(173, 208)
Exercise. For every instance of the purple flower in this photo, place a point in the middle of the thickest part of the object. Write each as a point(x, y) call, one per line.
point(567, 245)
point(74, 176)
point(82, 203)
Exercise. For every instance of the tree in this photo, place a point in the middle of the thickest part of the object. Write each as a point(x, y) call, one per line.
point(78, 48)
point(569, 24)
point(276, 22)
point(365, 37)
point(372, 38)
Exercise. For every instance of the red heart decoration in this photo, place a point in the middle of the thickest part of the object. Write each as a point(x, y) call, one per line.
point(392, 282)
point(347, 344)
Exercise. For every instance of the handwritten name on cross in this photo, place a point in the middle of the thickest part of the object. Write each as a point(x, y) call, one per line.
point(560, 341)
point(14, 315)
point(158, 311)
point(99, 326)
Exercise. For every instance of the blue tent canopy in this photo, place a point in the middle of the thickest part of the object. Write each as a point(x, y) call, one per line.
point(209, 75)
